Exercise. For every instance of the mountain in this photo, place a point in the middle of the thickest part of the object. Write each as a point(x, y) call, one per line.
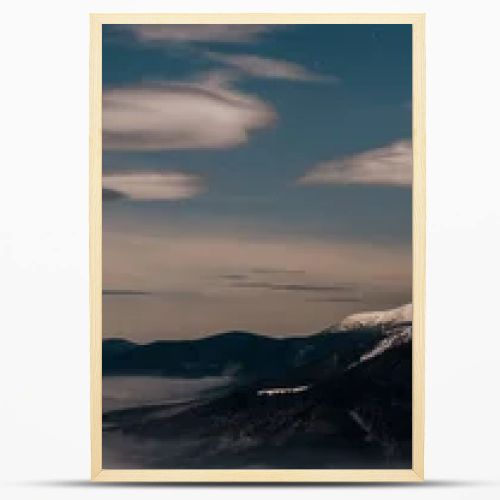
point(112, 348)
point(241, 354)
point(348, 406)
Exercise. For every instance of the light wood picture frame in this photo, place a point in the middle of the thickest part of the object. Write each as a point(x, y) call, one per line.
point(413, 474)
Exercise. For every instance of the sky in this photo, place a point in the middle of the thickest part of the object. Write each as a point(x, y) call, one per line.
point(255, 177)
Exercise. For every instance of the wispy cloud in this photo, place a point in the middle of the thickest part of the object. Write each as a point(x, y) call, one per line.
point(335, 299)
point(390, 165)
point(265, 67)
point(276, 270)
point(181, 115)
point(276, 282)
point(292, 287)
point(166, 294)
point(221, 33)
point(233, 277)
point(253, 274)
point(151, 186)
point(125, 292)
point(312, 292)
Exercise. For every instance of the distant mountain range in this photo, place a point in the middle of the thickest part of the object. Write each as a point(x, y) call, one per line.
point(247, 354)
point(341, 398)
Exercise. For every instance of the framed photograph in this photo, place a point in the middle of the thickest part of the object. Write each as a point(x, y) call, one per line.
point(257, 247)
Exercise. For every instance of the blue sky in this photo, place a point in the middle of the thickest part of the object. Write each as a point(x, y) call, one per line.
point(298, 136)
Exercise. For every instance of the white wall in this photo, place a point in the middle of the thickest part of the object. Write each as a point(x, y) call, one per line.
point(44, 440)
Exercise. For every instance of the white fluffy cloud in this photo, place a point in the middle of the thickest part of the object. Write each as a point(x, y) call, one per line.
point(390, 165)
point(199, 32)
point(180, 116)
point(268, 68)
point(154, 185)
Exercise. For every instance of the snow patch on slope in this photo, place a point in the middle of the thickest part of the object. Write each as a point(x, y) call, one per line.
point(282, 390)
point(378, 319)
point(397, 337)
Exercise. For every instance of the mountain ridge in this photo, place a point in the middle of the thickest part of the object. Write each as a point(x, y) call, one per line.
point(254, 355)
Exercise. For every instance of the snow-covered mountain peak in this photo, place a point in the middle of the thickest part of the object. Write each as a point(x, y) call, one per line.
point(378, 319)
